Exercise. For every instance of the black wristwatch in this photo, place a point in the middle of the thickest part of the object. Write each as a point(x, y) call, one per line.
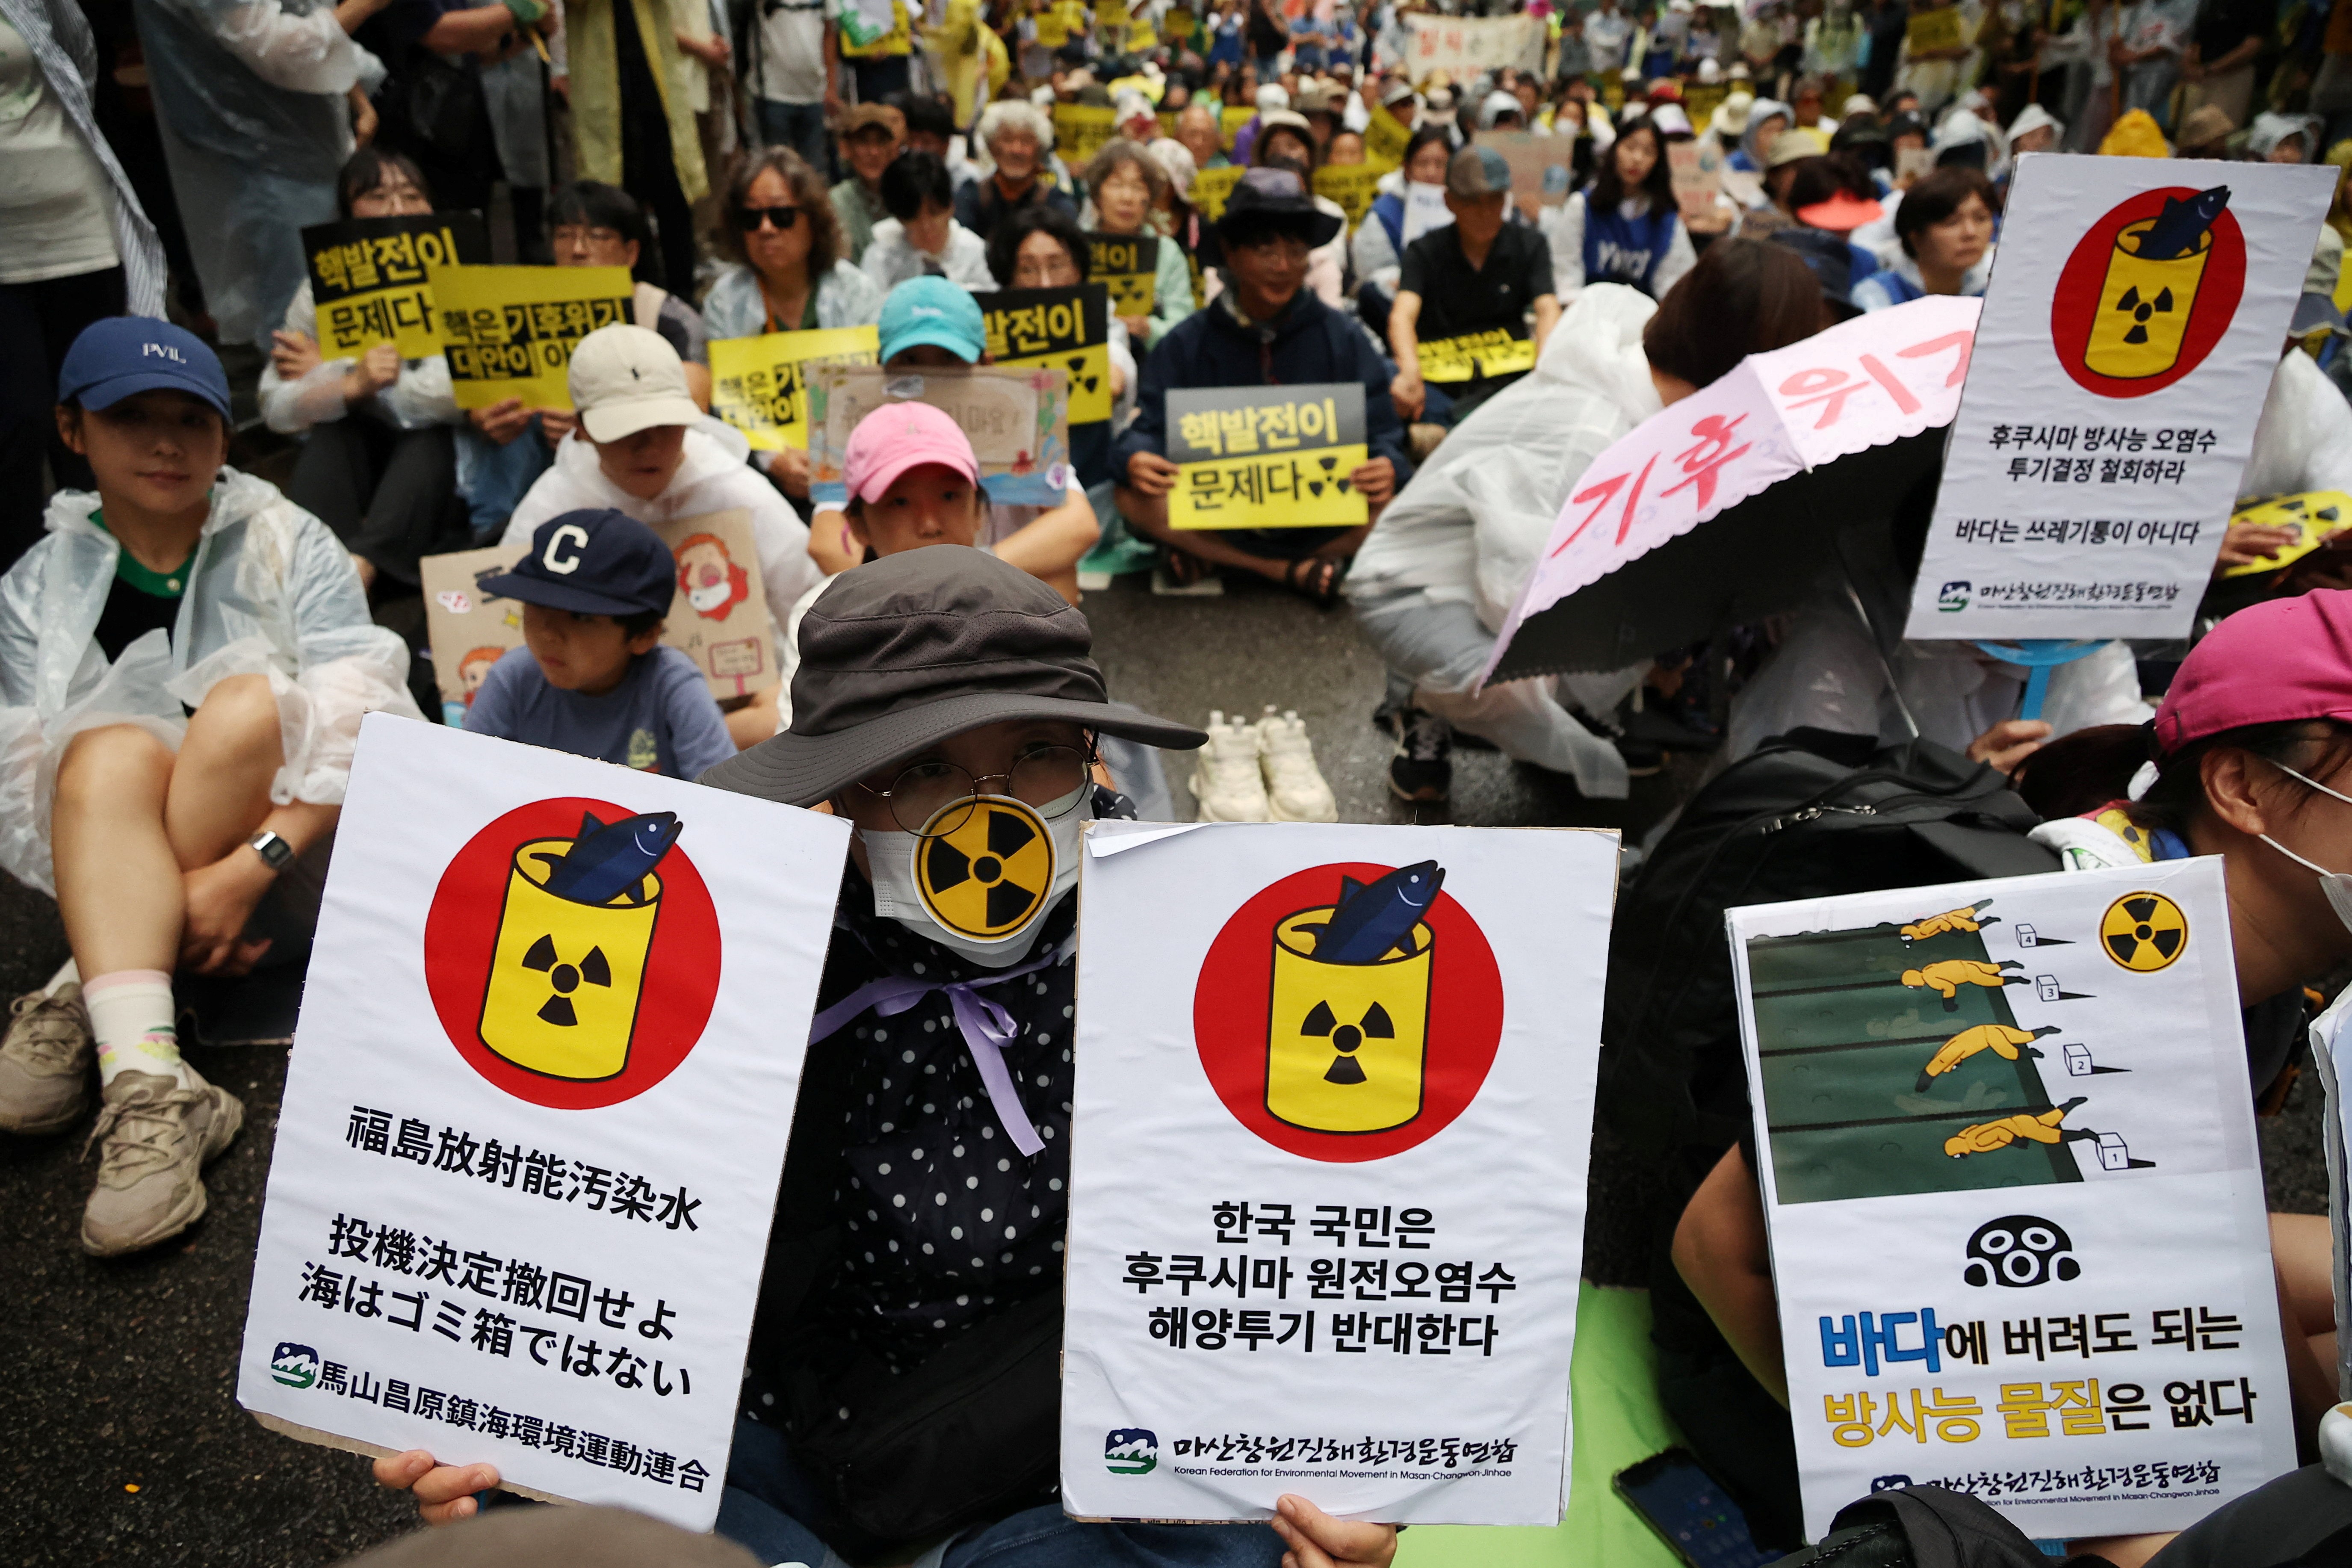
point(272, 849)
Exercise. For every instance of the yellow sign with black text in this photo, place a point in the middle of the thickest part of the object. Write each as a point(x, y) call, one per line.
point(508, 332)
point(1128, 266)
point(1476, 355)
point(1352, 186)
point(368, 280)
point(1056, 329)
point(1266, 456)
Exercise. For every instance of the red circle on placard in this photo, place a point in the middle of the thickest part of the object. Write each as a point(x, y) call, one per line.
point(2076, 302)
point(1233, 998)
point(461, 931)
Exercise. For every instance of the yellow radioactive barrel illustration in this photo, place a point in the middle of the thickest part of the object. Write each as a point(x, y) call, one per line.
point(1346, 1042)
point(569, 968)
point(2150, 288)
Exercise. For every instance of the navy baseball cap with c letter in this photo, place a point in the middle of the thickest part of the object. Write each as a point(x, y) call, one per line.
point(595, 562)
point(121, 356)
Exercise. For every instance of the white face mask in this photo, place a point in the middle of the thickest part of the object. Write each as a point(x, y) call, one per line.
point(710, 596)
point(2336, 885)
point(982, 891)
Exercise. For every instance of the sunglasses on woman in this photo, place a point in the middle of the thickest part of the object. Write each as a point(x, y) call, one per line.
point(749, 219)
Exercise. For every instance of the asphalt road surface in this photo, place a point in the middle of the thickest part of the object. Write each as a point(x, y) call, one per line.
point(119, 1437)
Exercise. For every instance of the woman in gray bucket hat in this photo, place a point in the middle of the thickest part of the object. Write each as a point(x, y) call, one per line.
point(902, 1396)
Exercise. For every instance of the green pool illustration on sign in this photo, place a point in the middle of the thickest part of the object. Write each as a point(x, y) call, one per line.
point(1892, 1063)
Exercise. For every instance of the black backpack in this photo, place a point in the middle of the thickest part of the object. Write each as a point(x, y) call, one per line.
point(1811, 813)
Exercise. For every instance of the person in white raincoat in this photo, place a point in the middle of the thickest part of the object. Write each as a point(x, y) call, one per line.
point(184, 660)
point(1435, 579)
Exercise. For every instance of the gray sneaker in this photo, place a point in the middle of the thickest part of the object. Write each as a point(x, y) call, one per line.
point(44, 1062)
point(156, 1138)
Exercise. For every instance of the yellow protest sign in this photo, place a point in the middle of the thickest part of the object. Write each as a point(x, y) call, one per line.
point(1053, 31)
point(1266, 456)
point(1079, 132)
point(508, 332)
point(1474, 355)
point(1230, 122)
point(2316, 516)
point(1141, 38)
point(1056, 329)
point(1128, 266)
point(1385, 139)
point(1936, 29)
point(899, 40)
point(1351, 185)
point(1211, 188)
point(368, 278)
point(1168, 122)
point(759, 385)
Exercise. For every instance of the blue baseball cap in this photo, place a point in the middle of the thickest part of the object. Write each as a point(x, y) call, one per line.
point(594, 561)
point(120, 356)
point(933, 310)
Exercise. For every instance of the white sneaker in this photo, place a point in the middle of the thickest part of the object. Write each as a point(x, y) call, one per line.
point(1295, 789)
point(1225, 779)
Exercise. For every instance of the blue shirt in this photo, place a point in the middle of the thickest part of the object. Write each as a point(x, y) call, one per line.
point(661, 719)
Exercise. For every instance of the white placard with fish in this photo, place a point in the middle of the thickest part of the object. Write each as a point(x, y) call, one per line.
point(1333, 1095)
point(2138, 310)
point(534, 1118)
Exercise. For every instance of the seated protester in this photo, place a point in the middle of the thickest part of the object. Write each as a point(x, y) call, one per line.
point(1042, 247)
point(379, 463)
point(2249, 750)
point(1130, 192)
point(1767, 119)
point(921, 238)
point(871, 135)
point(1623, 228)
point(637, 451)
point(929, 323)
point(1264, 329)
point(933, 683)
point(184, 660)
point(791, 272)
point(931, 128)
point(1479, 273)
point(1016, 137)
point(592, 677)
point(593, 224)
point(1833, 195)
point(1285, 140)
point(1378, 251)
point(1945, 228)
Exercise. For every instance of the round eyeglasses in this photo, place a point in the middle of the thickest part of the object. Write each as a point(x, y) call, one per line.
point(1050, 780)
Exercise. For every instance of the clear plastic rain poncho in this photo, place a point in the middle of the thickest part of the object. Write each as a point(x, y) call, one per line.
point(269, 593)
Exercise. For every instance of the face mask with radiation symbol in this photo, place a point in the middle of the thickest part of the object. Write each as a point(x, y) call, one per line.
point(2336, 885)
point(981, 889)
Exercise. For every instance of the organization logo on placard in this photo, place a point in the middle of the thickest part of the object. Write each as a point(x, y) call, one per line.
point(572, 952)
point(2144, 931)
point(296, 1366)
point(2150, 289)
point(1130, 1451)
point(2021, 1250)
point(1349, 1012)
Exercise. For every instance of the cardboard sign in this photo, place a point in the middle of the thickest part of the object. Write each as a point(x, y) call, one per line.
point(759, 385)
point(1911, 163)
point(1230, 120)
point(1018, 420)
point(2316, 516)
point(2007, 1149)
point(1128, 266)
point(2129, 336)
point(1385, 139)
point(1468, 46)
point(1212, 188)
point(720, 619)
point(1066, 330)
point(508, 332)
point(1353, 186)
point(1476, 355)
point(1539, 165)
point(1326, 1210)
point(1696, 167)
point(368, 278)
point(1266, 456)
point(1080, 131)
point(1936, 29)
point(519, 1198)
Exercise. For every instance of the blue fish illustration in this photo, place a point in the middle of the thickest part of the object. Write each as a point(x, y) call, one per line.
point(2181, 224)
point(1374, 917)
point(608, 859)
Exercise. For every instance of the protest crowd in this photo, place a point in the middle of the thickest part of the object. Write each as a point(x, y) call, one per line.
point(1468, 247)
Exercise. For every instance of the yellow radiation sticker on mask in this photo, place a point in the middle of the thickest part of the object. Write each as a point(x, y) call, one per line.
point(991, 875)
point(2144, 931)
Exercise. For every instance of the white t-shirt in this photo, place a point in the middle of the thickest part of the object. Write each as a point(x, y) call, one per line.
point(53, 191)
point(792, 51)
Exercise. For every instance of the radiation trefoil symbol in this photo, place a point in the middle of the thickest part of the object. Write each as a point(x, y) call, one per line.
point(987, 877)
point(594, 969)
point(2144, 931)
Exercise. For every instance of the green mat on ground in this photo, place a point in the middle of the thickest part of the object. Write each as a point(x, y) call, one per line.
point(1618, 1422)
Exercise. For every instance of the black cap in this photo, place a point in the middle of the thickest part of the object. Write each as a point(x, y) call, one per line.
point(1275, 198)
point(906, 651)
point(597, 563)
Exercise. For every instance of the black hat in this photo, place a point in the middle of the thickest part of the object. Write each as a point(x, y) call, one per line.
point(1831, 260)
point(906, 651)
point(1276, 198)
point(597, 563)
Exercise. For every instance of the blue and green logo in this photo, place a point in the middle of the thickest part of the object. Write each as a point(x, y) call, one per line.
point(1130, 1451)
point(296, 1366)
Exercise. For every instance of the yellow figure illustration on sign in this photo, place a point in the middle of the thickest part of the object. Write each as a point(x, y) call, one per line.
point(1946, 977)
point(1972, 918)
point(2043, 1128)
point(569, 967)
point(2002, 1040)
point(1348, 1030)
point(2144, 931)
point(2150, 288)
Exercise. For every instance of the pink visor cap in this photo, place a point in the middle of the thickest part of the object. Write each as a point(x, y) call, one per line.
point(899, 437)
point(2274, 663)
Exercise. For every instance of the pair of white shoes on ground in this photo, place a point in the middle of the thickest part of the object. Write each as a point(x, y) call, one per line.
point(1262, 772)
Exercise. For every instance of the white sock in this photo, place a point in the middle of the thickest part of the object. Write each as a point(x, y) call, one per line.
point(130, 1013)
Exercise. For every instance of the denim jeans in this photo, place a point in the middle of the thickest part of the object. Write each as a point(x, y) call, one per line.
point(801, 127)
point(770, 1503)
